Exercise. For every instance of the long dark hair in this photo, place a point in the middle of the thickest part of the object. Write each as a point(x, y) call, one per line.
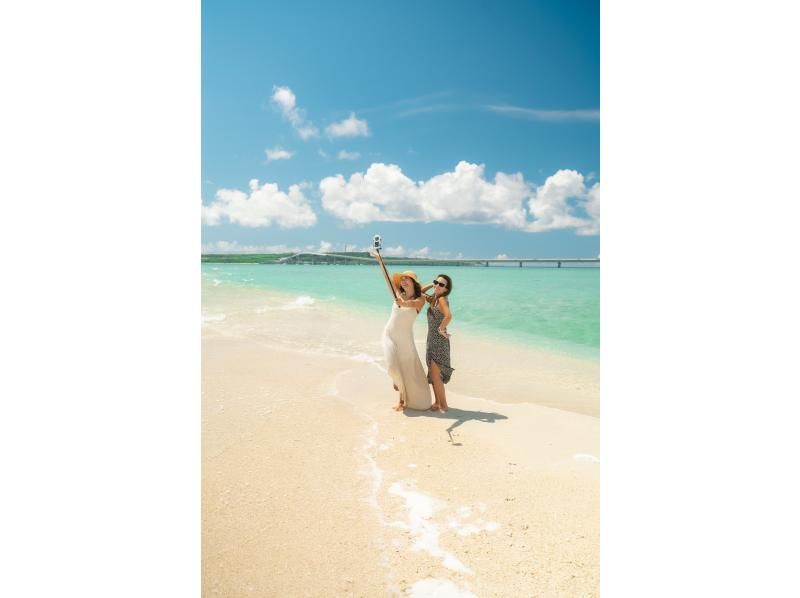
point(449, 284)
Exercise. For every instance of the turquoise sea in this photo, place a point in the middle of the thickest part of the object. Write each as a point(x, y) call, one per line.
point(556, 309)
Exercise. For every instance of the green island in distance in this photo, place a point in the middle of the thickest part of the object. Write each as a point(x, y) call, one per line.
point(333, 258)
point(361, 258)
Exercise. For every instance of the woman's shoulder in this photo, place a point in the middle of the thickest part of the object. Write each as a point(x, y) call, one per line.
point(437, 303)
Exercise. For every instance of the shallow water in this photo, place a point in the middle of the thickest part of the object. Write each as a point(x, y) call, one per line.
point(550, 308)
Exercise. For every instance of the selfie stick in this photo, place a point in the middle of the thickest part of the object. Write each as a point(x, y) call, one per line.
point(376, 244)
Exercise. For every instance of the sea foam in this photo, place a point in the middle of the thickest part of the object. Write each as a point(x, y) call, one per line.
point(303, 301)
point(212, 318)
point(421, 508)
point(437, 588)
point(583, 457)
point(466, 529)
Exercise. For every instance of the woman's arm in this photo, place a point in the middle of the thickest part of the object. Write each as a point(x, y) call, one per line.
point(427, 298)
point(388, 278)
point(444, 307)
point(415, 303)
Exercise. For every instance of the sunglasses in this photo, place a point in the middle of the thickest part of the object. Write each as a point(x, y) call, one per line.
point(440, 284)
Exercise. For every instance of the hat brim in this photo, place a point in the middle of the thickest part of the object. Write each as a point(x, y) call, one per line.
point(398, 275)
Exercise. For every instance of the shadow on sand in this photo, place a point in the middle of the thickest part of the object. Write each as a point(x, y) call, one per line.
point(460, 416)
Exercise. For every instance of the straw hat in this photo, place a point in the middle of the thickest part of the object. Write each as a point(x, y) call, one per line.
point(398, 275)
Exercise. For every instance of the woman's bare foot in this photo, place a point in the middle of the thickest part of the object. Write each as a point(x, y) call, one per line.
point(399, 407)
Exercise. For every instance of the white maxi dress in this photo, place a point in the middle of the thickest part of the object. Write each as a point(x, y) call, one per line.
point(402, 360)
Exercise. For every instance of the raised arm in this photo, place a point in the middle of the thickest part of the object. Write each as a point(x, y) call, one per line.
point(428, 298)
point(417, 303)
point(389, 283)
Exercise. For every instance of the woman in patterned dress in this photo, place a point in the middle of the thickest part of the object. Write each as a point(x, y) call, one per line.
point(437, 352)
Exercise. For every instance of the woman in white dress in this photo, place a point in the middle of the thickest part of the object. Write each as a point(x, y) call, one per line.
point(399, 350)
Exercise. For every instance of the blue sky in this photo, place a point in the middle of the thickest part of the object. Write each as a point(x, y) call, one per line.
point(451, 128)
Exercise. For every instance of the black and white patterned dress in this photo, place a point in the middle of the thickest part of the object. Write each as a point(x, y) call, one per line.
point(438, 346)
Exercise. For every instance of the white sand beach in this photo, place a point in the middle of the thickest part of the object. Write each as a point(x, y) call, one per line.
point(313, 486)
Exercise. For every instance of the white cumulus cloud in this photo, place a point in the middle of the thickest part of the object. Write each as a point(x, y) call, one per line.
point(286, 102)
point(264, 205)
point(278, 153)
point(396, 251)
point(592, 207)
point(551, 208)
point(464, 195)
point(349, 127)
point(385, 193)
point(345, 155)
point(306, 132)
point(401, 251)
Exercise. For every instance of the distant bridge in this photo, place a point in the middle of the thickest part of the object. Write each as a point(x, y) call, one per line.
point(311, 257)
